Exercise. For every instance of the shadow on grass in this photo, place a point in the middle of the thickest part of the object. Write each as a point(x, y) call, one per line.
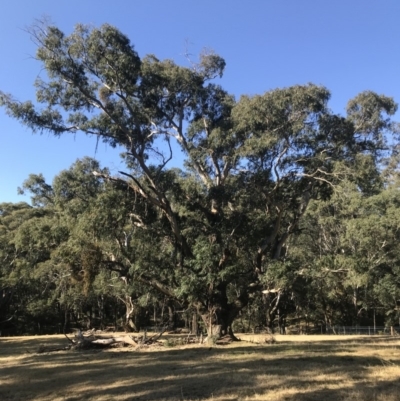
point(195, 373)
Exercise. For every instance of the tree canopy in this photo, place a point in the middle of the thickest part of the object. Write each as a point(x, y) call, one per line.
point(237, 225)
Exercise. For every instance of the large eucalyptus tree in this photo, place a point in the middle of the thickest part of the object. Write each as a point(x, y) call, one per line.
point(251, 166)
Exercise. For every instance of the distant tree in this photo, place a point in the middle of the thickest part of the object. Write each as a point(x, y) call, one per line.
point(348, 253)
point(24, 306)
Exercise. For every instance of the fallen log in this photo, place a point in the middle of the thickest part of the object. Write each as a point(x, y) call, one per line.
point(113, 340)
point(91, 340)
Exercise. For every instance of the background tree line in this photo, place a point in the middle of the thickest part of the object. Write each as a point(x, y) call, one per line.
point(282, 213)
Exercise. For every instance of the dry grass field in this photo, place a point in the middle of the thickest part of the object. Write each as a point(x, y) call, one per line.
point(295, 368)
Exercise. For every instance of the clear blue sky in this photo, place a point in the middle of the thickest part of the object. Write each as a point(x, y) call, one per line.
point(347, 45)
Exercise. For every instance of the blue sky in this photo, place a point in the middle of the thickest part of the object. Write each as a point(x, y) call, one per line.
point(347, 45)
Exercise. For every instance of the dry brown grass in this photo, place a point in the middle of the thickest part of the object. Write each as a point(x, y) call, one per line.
point(297, 368)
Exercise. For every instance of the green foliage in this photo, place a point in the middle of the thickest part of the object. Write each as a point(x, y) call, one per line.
point(277, 193)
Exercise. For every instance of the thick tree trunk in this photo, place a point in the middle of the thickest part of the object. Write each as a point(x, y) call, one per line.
point(219, 324)
point(219, 312)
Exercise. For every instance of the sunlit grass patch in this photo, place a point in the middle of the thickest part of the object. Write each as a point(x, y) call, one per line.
point(294, 368)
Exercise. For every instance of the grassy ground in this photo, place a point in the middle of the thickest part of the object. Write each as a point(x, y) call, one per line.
point(297, 368)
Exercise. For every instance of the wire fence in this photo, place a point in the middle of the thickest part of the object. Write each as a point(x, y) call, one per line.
point(361, 330)
point(331, 330)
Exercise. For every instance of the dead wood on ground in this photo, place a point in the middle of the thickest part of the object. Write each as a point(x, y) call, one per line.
point(92, 340)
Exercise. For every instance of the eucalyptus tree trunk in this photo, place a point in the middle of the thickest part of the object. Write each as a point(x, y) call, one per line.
point(130, 309)
point(218, 321)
